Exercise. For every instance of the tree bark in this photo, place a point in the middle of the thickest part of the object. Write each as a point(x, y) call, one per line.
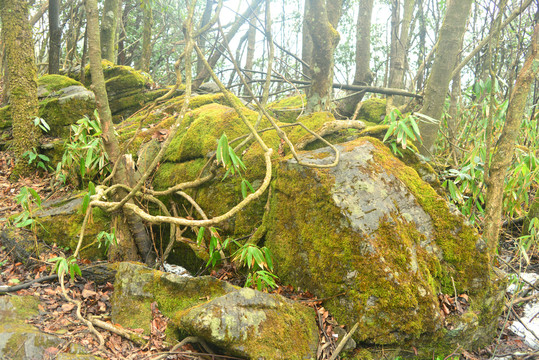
point(146, 55)
point(201, 41)
point(138, 232)
point(363, 75)
point(54, 36)
point(505, 146)
point(325, 39)
point(109, 22)
point(400, 29)
point(449, 44)
point(22, 80)
point(306, 43)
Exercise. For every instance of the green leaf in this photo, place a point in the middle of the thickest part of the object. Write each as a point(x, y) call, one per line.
point(85, 203)
point(243, 189)
point(200, 235)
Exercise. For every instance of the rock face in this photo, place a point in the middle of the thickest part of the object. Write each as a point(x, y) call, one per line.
point(242, 322)
point(255, 325)
point(369, 234)
point(372, 230)
point(22, 341)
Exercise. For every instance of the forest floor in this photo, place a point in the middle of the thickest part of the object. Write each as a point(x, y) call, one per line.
point(58, 316)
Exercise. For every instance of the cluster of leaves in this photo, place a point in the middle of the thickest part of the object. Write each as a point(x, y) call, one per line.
point(232, 163)
point(84, 158)
point(403, 130)
point(30, 201)
point(258, 261)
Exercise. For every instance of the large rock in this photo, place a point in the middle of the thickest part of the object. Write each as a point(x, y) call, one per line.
point(372, 229)
point(242, 322)
point(255, 325)
point(62, 101)
point(137, 286)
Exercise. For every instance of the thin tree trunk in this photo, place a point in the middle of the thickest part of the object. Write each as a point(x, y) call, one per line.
point(363, 75)
point(505, 146)
point(201, 77)
point(146, 56)
point(399, 42)
point(22, 80)
point(201, 41)
point(138, 234)
point(54, 36)
point(449, 44)
point(325, 39)
point(306, 42)
point(109, 22)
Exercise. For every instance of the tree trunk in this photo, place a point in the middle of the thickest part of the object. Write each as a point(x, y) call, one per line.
point(203, 75)
point(54, 36)
point(306, 43)
point(250, 56)
point(363, 75)
point(138, 234)
point(505, 146)
point(325, 39)
point(22, 80)
point(109, 22)
point(400, 29)
point(201, 41)
point(449, 44)
point(146, 55)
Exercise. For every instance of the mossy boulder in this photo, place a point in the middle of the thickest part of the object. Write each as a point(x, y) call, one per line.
point(19, 340)
point(137, 287)
point(128, 89)
point(62, 101)
point(288, 109)
point(372, 229)
point(255, 325)
point(372, 110)
point(61, 222)
point(241, 322)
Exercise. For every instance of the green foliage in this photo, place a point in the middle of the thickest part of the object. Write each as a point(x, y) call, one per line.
point(84, 157)
point(465, 181)
point(258, 261)
point(30, 201)
point(42, 124)
point(402, 130)
point(106, 239)
point(40, 161)
point(232, 163)
point(465, 186)
point(66, 266)
point(525, 242)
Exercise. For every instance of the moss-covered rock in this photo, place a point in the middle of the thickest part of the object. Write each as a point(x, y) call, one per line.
point(137, 286)
point(372, 110)
point(61, 223)
point(371, 228)
point(62, 101)
point(255, 325)
point(49, 85)
point(288, 109)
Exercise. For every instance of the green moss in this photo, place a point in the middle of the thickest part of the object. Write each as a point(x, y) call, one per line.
point(64, 230)
point(61, 114)
point(288, 109)
point(54, 83)
point(137, 287)
point(372, 110)
point(25, 307)
point(392, 304)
